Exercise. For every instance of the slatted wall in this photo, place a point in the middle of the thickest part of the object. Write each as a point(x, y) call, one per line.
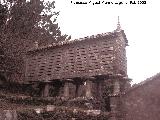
point(79, 59)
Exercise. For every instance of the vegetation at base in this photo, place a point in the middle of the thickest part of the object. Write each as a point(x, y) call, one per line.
point(61, 113)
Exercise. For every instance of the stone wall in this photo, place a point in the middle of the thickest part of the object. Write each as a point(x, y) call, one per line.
point(142, 101)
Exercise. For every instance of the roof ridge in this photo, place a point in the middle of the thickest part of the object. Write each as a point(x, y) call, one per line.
point(73, 41)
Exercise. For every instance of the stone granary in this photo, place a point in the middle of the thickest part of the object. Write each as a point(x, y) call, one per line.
point(91, 67)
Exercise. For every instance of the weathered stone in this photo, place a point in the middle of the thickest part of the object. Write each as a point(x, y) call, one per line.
point(46, 90)
point(50, 108)
point(66, 89)
point(88, 89)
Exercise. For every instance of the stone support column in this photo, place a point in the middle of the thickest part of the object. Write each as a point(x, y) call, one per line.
point(116, 87)
point(46, 90)
point(99, 89)
point(115, 99)
point(66, 89)
point(77, 90)
point(113, 106)
point(88, 88)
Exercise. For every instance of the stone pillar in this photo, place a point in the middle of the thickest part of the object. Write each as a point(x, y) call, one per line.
point(99, 90)
point(115, 99)
point(116, 87)
point(113, 106)
point(77, 92)
point(88, 88)
point(46, 90)
point(66, 89)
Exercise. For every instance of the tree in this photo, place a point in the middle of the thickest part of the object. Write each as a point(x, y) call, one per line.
point(28, 20)
point(3, 19)
point(24, 22)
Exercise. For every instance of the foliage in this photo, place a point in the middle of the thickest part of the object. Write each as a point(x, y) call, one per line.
point(28, 114)
point(22, 23)
point(62, 113)
point(27, 19)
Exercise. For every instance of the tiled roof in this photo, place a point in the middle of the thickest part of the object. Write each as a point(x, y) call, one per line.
point(77, 40)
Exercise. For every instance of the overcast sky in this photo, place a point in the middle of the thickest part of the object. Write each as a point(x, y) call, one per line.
point(141, 23)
